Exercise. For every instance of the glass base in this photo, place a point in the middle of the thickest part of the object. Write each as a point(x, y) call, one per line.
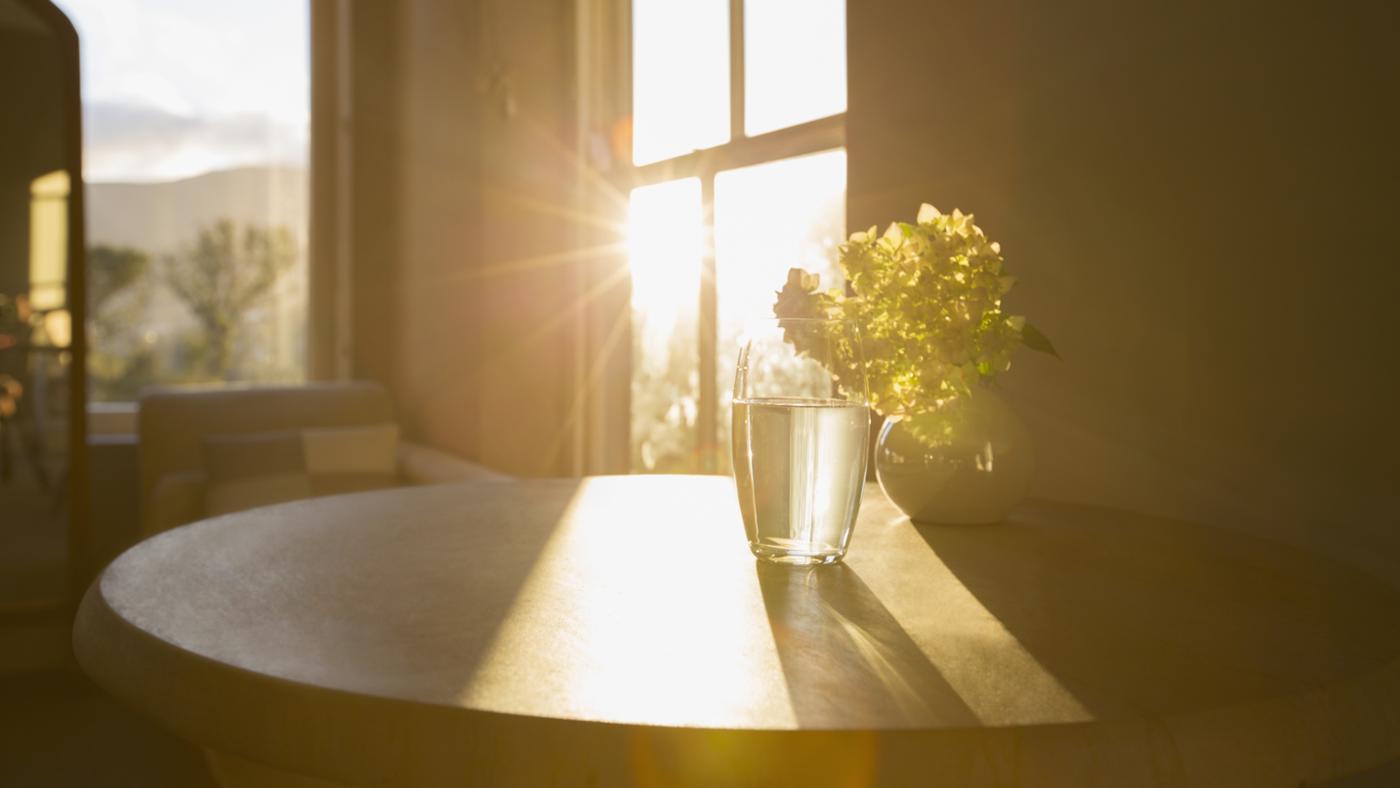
point(795, 556)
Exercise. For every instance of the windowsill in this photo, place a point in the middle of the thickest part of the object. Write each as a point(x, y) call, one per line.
point(112, 419)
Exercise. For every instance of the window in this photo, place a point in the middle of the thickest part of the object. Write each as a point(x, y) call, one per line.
point(738, 173)
point(196, 122)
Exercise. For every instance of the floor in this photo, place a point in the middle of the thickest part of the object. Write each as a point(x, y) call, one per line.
point(59, 730)
point(33, 545)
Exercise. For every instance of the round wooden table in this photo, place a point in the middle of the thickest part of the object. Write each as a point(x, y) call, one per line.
point(615, 631)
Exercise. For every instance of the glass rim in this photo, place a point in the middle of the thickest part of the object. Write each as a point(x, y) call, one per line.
point(749, 328)
point(802, 319)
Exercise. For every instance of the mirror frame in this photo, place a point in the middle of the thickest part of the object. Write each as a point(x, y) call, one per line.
point(80, 569)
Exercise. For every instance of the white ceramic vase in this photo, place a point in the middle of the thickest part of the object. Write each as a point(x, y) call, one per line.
point(971, 465)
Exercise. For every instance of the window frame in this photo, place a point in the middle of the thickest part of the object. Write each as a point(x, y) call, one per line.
point(815, 136)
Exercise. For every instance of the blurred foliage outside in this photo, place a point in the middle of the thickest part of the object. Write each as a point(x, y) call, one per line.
point(665, 397)
point(200, 316)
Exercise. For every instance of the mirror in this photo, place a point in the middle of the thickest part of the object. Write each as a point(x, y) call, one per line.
point(42, 402)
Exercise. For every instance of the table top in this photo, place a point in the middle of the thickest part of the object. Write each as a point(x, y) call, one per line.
point(603, 612)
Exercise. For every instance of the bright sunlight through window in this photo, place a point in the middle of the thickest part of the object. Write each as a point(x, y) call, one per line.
point(680, 77)
point(794, 62)
point(770, 201)
point(664, 249)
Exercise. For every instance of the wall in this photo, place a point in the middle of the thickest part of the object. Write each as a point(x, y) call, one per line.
point(1198, 200)
point(376, 209)
point(462, 296)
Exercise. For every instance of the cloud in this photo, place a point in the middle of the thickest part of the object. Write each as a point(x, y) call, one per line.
point(137, 142)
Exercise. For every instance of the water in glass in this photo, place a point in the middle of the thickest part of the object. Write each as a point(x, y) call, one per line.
point(799, 465)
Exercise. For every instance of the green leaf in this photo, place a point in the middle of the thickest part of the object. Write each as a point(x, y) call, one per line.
point(1034, 339)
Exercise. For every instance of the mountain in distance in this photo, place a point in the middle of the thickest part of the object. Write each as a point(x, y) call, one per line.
point(160, 217)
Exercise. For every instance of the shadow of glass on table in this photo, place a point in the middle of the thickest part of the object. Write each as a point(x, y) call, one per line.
point(847, 661)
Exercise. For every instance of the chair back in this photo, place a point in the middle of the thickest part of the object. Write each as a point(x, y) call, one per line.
point(172, 422)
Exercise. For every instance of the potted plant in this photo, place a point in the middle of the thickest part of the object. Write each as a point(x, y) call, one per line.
point(928, 299)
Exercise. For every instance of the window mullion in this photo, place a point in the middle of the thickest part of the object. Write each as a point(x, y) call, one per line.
point(736, 69)
point(811, 137)
point(706, 422)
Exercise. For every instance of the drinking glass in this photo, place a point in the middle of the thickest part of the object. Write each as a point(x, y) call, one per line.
point(801, 424)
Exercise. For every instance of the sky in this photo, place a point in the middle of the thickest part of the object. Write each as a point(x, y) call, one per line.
point(175, 88)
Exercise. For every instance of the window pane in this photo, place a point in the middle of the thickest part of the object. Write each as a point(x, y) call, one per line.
point(794, 62)
point(664, 248)
point(769, 218)
point(680, 77)
point(195, 156)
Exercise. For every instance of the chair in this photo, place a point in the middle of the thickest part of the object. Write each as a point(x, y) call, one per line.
point(173, 425)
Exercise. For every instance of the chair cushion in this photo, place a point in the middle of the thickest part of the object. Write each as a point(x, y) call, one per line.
point(262, 468)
